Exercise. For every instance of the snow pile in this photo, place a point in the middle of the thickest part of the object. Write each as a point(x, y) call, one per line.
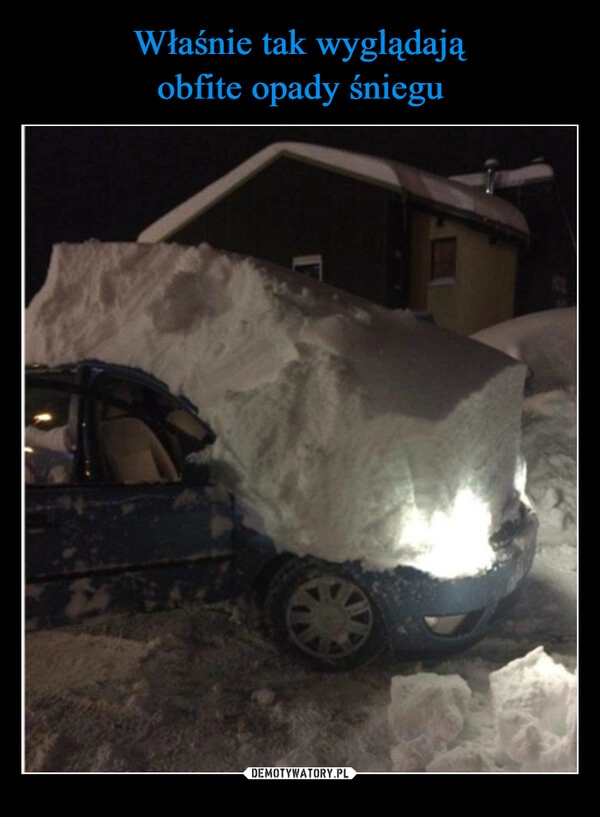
point(545, 341)
point(525, 722)
point(535, 701)
point(550, 449)
point(350, 431)
point(427, 712)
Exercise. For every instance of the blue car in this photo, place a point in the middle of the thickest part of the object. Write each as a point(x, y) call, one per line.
point(121, 515)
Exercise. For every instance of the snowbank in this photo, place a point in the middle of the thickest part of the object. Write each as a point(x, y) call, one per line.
point(427, 712)
point(535, 701)
point(350, 431)
point(545, 341)
point(437, 724)
point(550, 449)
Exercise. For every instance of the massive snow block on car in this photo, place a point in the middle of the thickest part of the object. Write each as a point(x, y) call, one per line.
point(351, 431)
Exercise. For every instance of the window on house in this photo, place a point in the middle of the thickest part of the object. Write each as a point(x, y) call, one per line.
point(443, 259)
point(311, 265)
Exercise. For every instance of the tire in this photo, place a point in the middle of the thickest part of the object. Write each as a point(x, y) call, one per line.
point(322, 615)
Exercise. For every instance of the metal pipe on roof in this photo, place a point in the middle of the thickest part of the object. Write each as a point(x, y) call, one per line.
point(491, 166)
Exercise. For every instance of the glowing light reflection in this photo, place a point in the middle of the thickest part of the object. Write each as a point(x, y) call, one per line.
point(449, 545)
point(520, 480)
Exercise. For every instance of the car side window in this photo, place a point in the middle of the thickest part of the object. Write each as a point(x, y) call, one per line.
point(50, 435)
point(142, 435)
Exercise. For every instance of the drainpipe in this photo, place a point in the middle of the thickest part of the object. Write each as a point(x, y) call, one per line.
point(491, 166)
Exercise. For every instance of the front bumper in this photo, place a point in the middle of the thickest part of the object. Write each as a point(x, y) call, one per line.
point(411, 600)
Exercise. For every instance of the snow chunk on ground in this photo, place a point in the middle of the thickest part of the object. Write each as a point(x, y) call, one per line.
point(524, 720)
point(349, 430)
point(535, 700)
point(427, 712)
point(461, 759)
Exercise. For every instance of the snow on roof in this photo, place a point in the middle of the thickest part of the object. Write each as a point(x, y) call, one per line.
point(383, 172)
point(342, 425)
point(515, 177)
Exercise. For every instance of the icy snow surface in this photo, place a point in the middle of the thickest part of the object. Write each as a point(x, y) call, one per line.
point(348, 430)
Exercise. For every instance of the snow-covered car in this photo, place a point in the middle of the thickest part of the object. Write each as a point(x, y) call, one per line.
point(359, 471)
point(122, 512)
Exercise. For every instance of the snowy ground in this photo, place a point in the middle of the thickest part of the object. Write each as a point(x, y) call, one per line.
point(201, 689)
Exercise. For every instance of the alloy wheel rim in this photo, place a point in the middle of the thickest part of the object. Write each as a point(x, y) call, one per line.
point(329, 617)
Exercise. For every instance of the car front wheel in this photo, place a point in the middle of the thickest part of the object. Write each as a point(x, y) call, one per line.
point(322, 615)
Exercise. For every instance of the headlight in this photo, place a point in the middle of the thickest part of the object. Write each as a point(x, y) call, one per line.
point(451, 544)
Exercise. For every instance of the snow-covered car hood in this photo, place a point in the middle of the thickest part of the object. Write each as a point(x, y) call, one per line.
point(348, 431)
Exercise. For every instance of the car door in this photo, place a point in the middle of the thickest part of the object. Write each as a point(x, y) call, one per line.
point(100, 538)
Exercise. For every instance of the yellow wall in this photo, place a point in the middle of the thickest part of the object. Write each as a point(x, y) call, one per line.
point(488, 276)
point(482, 293)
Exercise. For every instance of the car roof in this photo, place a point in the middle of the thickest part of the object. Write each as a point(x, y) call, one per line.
point(128, 372)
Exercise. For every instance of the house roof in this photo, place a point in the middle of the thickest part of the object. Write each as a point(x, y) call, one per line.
point(427, 187)
point(515, 177)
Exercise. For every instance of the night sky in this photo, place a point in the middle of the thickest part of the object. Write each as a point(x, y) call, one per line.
point(110, 182)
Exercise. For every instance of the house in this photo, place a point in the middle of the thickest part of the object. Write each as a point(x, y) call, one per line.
point(547, 275)
point(377, 228)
